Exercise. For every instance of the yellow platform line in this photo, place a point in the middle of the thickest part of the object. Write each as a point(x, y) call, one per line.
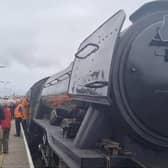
point(1, 160)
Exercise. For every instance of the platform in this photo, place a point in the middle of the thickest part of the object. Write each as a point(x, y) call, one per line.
point(18, 155)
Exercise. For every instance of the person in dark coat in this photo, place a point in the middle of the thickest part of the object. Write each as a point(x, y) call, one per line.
point(1, 134)
point(2, 116)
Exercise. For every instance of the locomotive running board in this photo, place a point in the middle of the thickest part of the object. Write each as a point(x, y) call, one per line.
point(81, 158)
point(91, 72)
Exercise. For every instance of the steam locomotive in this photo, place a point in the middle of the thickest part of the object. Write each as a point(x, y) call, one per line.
point(109, 108)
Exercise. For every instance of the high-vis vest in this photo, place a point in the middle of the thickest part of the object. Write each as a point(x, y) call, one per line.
point(25, 104)
point(18, 112)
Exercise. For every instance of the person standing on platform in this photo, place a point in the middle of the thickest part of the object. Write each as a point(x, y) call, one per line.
point(2, 116)
point(6, 125)
point(25, 103)
point(12, 107)
point(18, 114)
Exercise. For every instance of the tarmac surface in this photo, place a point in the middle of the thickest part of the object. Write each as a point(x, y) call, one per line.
point(17, 156)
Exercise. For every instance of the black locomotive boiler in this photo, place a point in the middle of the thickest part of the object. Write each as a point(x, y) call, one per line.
point(109, 108)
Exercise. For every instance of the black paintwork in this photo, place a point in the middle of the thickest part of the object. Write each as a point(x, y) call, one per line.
point(91, 70)
point(124, 98)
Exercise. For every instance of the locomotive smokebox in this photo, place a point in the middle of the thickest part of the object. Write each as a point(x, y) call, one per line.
point(140, 80)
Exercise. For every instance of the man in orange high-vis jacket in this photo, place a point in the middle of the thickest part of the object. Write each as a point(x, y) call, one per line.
point(25, 103)
point(18, 114)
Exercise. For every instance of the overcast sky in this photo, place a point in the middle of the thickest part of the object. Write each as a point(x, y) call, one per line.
point(39, 37)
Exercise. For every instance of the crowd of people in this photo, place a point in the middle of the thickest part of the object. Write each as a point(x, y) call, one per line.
point(17, 111)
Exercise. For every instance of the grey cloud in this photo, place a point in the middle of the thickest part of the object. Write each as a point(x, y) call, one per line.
point(39, 37)
point(45, 33)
